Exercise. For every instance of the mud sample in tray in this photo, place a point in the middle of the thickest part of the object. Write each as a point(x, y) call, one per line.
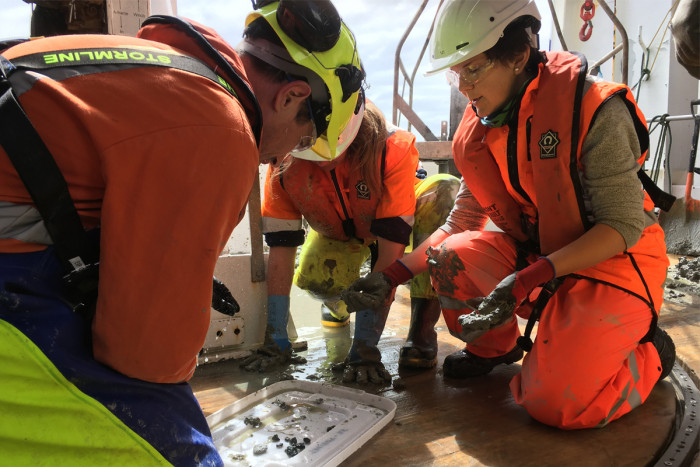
point(298, 422)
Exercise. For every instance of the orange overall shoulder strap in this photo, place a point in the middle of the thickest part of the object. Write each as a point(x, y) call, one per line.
point(482, 175)
point(554, 147)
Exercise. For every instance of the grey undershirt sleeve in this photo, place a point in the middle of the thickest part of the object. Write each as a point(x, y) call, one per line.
point(612, 190)
point(466, 214)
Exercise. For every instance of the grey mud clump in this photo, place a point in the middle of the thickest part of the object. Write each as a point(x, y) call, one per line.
point(683, 279)
point(259, 449)
point(294, 446)
point(253, 421)
point(689, 269)
point(283, 406)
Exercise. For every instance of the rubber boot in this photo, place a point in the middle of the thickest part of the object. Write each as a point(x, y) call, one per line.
point(420, 349)
point(667, 351)
point(334, 314)
point(464, 364)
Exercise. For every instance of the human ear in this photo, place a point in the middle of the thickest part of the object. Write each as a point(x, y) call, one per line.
point(521, 60)
point(289, 95)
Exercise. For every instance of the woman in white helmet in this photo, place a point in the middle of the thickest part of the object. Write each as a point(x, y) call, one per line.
point(551, 157)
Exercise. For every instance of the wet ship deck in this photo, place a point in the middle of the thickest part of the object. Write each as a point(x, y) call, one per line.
point(476, 422)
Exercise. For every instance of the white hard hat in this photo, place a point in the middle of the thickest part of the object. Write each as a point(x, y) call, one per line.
point(466, 28)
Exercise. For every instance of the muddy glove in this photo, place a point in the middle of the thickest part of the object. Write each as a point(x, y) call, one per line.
point(222, 300)
point(364, 361)
point(498, 307)
point(266, 357)
point(277, 349)
point(373, 290)
point(365, 372)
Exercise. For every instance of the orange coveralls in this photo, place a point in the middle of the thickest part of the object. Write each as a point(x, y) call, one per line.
point(592, 361)
point(159, 163)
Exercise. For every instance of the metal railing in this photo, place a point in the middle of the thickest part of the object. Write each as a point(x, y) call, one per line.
point(404, 107)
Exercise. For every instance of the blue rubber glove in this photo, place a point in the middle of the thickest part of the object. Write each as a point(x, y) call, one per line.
point(277, 318)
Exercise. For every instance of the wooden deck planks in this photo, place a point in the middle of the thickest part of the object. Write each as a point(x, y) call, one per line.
point(472, 422)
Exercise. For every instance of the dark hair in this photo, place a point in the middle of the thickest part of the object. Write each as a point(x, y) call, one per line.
point(364, 152)
point(515, 40)
point(261, 29)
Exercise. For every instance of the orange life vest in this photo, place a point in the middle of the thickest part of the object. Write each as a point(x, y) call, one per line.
point(528, 180)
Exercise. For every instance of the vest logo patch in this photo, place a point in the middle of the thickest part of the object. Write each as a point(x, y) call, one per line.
point(548, 144)
point(362, 190)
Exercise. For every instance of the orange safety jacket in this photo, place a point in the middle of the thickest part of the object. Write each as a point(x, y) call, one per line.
point(528, 180)
point(339, 204)
point(162, 160)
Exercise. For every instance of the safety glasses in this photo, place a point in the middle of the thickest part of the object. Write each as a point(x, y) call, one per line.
point(314, 25)
point(306, 142)
point(319, 151)
point(345, 138)
point(469, 75)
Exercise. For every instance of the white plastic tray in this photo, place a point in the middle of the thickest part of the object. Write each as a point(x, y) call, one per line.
point(329, 421)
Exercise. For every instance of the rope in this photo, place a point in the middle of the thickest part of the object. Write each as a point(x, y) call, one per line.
point(644, 73)
point(658, 49)
point(646, 69)
point(661, 152)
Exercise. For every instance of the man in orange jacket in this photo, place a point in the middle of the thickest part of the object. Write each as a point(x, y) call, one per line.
point(149, 146)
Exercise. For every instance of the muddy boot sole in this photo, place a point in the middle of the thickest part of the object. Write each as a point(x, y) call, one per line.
point(411, 357)
point(464, 364)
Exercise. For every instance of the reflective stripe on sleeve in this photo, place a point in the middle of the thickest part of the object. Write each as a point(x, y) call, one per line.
point(22, 222)
point(271, 224)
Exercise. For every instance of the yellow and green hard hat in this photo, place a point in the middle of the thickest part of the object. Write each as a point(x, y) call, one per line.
point(323, 51)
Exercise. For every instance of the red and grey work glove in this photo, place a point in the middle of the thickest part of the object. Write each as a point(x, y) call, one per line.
point(498, 307)
point(373, 290)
